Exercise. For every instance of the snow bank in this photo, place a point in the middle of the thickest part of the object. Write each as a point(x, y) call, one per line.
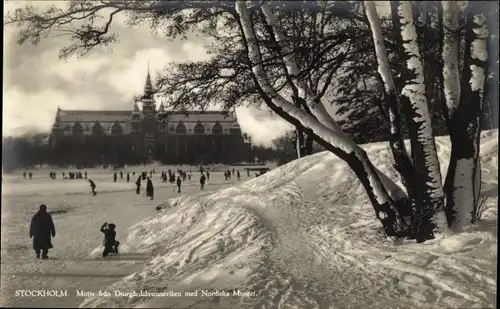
point(304, 236)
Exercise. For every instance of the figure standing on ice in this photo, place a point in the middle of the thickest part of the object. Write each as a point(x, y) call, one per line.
point(115, 176)
point(138, 185)
point(110, 242)
point(179, 182)
point(41, 229)
point(128, 177)
point(92, 186)
point(150, 190)
point(202, 181)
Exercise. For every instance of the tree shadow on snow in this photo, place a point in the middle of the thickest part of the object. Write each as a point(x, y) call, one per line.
point(491, 193)
point(488, 226)
point(126, 256)
point(58, 212)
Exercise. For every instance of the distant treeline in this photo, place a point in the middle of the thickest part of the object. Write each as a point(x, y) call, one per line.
point(30, 151)
point(24, 151)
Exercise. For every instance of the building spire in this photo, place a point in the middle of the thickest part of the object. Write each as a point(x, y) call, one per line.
point(148, 88)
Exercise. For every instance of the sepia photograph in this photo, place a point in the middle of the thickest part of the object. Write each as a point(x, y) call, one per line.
point(249, 154)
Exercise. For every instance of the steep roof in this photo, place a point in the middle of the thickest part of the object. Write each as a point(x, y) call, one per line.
point(207, 118)
point(195, 116)
point(93, 115)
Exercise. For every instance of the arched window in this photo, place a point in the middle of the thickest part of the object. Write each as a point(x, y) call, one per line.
point(97, 128)
point(199, 128)
point(77, 127)
point(217, 128)
point(116, 128)
point(180, 128)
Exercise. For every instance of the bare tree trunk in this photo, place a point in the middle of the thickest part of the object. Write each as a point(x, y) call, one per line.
point(299, 142)
point(309, 145)
point(464, 173)
point(429, 214)
point(402, 162)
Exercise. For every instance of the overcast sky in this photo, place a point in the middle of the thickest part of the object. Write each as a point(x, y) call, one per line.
point(36, 81)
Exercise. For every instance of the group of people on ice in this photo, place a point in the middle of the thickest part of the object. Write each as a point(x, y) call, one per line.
point(227, 174)
point(30, 175)
point(170, 176)
point(115, 176)
point(150, 190)
point(42, 230)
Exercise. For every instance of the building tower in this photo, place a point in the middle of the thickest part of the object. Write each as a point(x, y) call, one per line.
point(148, 102)
point(149, 122)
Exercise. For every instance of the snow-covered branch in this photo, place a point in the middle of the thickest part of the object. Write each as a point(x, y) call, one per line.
point(340, 140)
point(316, 106)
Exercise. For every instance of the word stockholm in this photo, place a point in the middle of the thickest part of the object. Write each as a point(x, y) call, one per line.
point(41, 293)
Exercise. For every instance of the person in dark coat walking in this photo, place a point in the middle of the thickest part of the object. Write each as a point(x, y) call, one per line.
point(110, 242)
point(179, 182)
point(150, 189)
point(138, 184)
point(41, 229)
point(238, 175)
point(24, 175)
point(202, 181)
point(85, 175)
point(208, 175)
point(30, 174)
point(128, 177)
point(115, 176)
point(92, 186)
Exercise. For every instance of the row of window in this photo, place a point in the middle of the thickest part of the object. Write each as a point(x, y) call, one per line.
point(180, 128)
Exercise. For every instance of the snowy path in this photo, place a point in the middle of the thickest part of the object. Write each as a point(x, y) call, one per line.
point(309, 264)
point(74, 262)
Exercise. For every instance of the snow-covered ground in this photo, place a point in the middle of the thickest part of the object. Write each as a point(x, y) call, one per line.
point(77, 215)
point(301, 236)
